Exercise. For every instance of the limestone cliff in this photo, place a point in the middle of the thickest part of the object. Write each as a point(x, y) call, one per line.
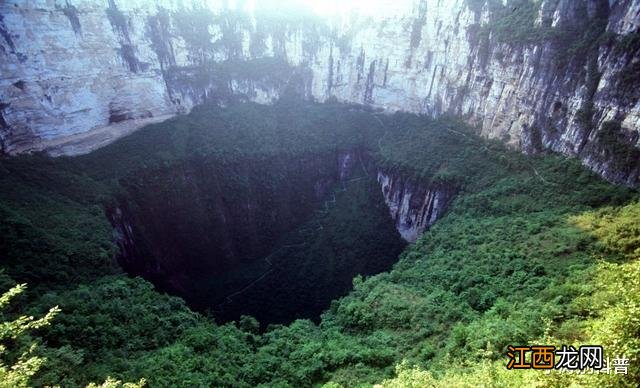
point(413, 206)
point(556, 74)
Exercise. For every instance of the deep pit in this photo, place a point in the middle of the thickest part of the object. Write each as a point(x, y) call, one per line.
point(449, 208)
point(278, 241)
point(239, 225)
point(273, 212)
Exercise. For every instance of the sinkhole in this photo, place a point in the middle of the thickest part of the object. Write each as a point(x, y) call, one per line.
point(237, 225)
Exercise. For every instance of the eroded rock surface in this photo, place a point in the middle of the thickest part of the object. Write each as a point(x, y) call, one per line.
point(568, 83)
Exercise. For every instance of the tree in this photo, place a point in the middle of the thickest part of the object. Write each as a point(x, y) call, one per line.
point(16, 372)
point(113, 383)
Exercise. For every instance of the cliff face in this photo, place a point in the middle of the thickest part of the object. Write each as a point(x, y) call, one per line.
point(413, 207)
point(559, 75)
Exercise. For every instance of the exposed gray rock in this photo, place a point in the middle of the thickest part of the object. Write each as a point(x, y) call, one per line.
point(413, 206)
point(76, 67)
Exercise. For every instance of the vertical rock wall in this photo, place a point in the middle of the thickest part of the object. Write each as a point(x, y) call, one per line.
point(413, 206)
point(558, 74)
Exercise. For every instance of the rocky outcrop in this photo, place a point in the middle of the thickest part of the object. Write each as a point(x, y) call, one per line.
point(557, 74)
point(414, 207)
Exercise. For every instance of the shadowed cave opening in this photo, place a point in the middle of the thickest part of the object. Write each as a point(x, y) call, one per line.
point(275, 235)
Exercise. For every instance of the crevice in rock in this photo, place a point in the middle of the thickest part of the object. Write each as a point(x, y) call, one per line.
point(4, 128)
point(158, 32)
point(71, 12)
point(369, 85)
point(120, 25)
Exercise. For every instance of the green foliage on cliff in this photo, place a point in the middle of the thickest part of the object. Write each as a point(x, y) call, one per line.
point(533, 250)
point(508, 264)
point(53, 228)
point(232, 135)
point(279, 24)
point(524, 22)
point(217, 78)
point(626, 47)
point(438, 151)
point(514, 22)
point(193, 26)
point(518, 23)
point(613, 141)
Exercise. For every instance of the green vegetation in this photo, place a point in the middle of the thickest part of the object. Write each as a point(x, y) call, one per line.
point(514, 23)
point(193, 26)
point(267, 72)
point(625, 47)
point(615, 146)
point(53, 228)
point(17, 369)
point(605, 311)
point(533, 250)
point(440, 152)
point(280, 24)
point(231, 135)
point(350, 235)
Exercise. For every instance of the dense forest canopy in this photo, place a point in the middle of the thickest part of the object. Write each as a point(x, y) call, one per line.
point(534, 249)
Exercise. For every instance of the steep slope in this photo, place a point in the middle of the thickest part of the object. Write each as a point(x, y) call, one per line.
point(206, 197)
point(532, 248)
point(554, 74)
